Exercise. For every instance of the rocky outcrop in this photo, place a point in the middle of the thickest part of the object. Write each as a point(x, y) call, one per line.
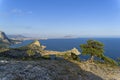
point(35, 43)
point(34, 50)
point(106, 72)
point(74, 50)
point(23, 71)
point(56, 70)
point(5, 42)
point(4, 38)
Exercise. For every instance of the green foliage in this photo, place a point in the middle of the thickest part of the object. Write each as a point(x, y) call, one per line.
point(71, 56)
point(96, 48)
point(75, 57)
point(109, 60)
point(30, 52)
point(93, 48)
point(66, 55)
point(46, 57)
point(118, 61)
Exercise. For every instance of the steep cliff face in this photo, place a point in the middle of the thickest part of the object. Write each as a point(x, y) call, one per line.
point(4, 38)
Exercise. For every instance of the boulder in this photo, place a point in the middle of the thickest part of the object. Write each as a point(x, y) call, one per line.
point(75, 51)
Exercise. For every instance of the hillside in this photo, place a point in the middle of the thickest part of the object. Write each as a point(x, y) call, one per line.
point(4, 38)
point(57, 70)
point(5, 41)
point(16, 36)
point(32, 62)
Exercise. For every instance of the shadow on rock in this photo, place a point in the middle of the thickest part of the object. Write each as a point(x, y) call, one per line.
point(44, 70)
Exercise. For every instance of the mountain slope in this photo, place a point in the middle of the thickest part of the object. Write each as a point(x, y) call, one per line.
point(16, 36)
point(4, 38)
point(57, 70)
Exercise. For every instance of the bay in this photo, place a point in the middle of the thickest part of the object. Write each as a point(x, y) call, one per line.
point(111, 45)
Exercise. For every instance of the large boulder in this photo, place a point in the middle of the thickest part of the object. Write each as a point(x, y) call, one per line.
point(75, 51)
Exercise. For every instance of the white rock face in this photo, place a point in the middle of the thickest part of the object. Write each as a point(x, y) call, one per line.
point(37, 43)
point(75, 51)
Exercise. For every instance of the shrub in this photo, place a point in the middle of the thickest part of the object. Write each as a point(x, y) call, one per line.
point(75, 57)
point(30, 52)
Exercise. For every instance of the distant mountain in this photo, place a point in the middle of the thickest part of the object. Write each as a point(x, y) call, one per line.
point(16, 36)
point(70, 36)
point(5, 41)
point(4, 38)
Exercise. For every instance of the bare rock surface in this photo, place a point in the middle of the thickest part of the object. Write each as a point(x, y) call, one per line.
point(56, 70)
point(23, 71)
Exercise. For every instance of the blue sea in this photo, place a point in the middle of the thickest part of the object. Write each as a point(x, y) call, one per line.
point(111, 45)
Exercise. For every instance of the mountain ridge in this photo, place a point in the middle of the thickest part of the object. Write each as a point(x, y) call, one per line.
point(4, 38)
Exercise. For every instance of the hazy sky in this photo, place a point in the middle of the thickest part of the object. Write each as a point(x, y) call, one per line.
point(58, 18)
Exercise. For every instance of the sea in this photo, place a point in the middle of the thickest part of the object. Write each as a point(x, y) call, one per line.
point(111, 45)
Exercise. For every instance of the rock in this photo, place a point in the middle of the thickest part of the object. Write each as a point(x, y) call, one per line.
point(23, 71)
point(43, 47)
point(57, 70)
point(3, 61)
point(4, 38)
point(75, 51)
point(36, 43)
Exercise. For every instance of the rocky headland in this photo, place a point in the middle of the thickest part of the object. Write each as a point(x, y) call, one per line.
point(5, 41)
point(33, 62)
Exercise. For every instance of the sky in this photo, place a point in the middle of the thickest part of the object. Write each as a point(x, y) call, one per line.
point(60, 18)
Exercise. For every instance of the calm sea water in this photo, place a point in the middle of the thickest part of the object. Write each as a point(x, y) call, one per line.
point(112, 45)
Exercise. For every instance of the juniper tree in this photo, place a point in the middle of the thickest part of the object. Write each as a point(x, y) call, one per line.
point(93, 48)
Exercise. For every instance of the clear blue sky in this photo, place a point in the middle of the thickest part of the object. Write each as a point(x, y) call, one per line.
point(58, 18)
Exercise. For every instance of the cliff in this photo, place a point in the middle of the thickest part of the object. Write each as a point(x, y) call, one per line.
point(4, 38)
point(5, 42)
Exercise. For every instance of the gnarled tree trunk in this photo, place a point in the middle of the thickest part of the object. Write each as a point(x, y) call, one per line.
point(92, 58)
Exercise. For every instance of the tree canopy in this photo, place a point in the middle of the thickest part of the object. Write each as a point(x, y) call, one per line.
point(93, 48)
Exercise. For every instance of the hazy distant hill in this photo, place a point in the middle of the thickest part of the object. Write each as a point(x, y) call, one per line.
point(20, 37)
point(5, 41)
point(16, 36)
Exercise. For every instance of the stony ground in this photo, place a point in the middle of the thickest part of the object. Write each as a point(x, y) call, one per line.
point(56, 70)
